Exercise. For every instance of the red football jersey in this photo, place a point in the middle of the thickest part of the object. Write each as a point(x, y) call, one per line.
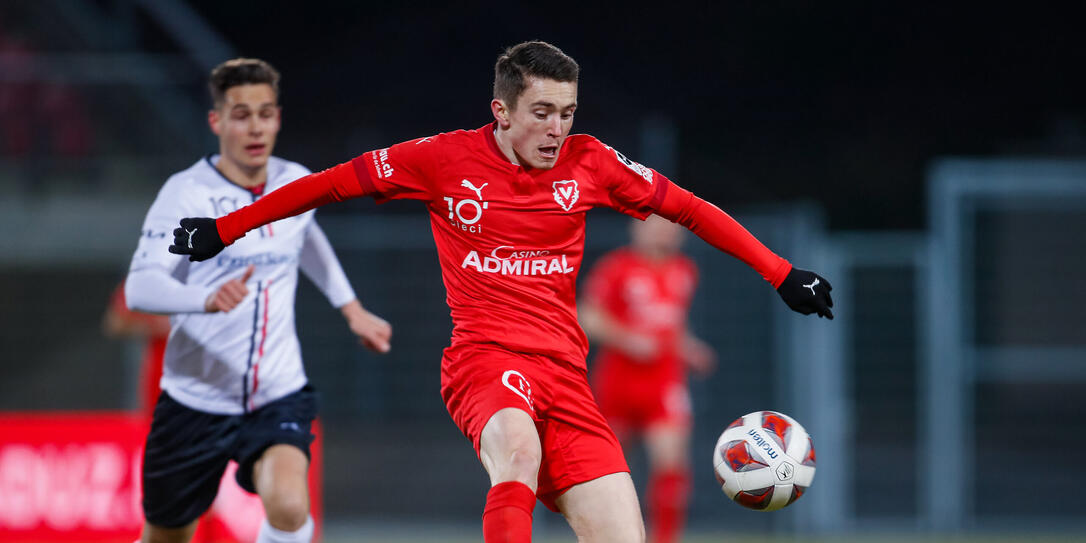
point(510, 239)
point(649, 298)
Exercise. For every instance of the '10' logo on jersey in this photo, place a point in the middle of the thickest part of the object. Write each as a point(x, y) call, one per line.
point(463, 214)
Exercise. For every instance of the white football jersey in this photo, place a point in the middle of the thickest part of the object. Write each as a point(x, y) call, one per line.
point(235, 362)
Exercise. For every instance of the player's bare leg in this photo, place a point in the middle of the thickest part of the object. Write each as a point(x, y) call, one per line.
point(604, 510)
point(668, 446)
point(509, 448)
point(510, 451)
point(280, 480)
point(159, 534)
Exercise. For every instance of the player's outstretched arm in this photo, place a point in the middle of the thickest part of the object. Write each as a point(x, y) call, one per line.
point(605, 330)
point(698, 355)
point(121, 322)
point(373, 332)
point(804, 291)
point(319, 263)
point(203, 238)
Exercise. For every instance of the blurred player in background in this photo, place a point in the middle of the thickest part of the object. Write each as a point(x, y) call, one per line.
point(507, 206)
point(635, 307)
point(233, 382)
point(119, 322)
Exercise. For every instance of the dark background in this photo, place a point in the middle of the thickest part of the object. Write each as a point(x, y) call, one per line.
point(844, 103)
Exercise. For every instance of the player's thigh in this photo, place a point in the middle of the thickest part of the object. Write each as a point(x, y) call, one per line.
point(184, 458)
point(578, 445)
point(281, 469)
point(509, 447)
point(494, 396)
point(158, 534)
point(667, 443)
point(280, 480)
point(286, 425)
point(604, 510)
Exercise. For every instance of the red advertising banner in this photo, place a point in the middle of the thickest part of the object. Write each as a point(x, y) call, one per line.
point(75, 476)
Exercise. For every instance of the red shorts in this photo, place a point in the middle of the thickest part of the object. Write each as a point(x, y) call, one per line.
point(578, 445)
point(632, 403)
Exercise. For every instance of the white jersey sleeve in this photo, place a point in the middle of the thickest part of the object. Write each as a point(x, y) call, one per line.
point(319, 263)
point(152, 285)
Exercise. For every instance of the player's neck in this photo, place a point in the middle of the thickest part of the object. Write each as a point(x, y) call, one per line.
point(652, 257)
point(506, 146)
point(240, 175)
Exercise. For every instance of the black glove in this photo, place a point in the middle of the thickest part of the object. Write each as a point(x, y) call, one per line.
point(198, 238)
point(806, 292)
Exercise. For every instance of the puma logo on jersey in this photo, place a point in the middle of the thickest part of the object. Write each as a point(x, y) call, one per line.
point(812, 286)
point(192, 233)
point(478, 191)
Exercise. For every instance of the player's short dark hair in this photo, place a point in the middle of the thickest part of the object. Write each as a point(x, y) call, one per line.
point(530, 59)
point(240, 71)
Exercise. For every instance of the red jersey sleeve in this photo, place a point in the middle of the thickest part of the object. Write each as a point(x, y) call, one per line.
point(632, 189)
point(335, 184)
point(404, 171)
point(723, 232)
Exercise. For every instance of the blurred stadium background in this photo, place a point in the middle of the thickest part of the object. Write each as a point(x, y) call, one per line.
point(930, 160)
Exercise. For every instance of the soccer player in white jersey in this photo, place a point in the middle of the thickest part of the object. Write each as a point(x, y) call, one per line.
point(233, 383)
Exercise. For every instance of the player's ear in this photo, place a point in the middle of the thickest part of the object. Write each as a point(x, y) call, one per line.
point(501, 113)
point(213, 119)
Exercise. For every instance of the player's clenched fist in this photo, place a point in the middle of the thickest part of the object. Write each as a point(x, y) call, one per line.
point(807, 292)
point(198, 238)
point(230, 293)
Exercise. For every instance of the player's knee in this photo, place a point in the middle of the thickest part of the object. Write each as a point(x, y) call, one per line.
point(621, 532)
point(669, 461)
point(524, 463)
point(633, 532)
point(158, 534)
point(605, 529)
point(287, 511)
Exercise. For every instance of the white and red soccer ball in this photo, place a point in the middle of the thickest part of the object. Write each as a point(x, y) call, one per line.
point(764, 460)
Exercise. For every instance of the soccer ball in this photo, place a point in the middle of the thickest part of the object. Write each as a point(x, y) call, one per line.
point(764, 460)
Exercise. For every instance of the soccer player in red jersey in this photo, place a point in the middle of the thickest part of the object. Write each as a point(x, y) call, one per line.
point(121, 322)
point(635, 306)
point(507, 206)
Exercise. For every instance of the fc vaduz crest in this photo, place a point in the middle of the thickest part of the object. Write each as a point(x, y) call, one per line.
point(566, 193)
